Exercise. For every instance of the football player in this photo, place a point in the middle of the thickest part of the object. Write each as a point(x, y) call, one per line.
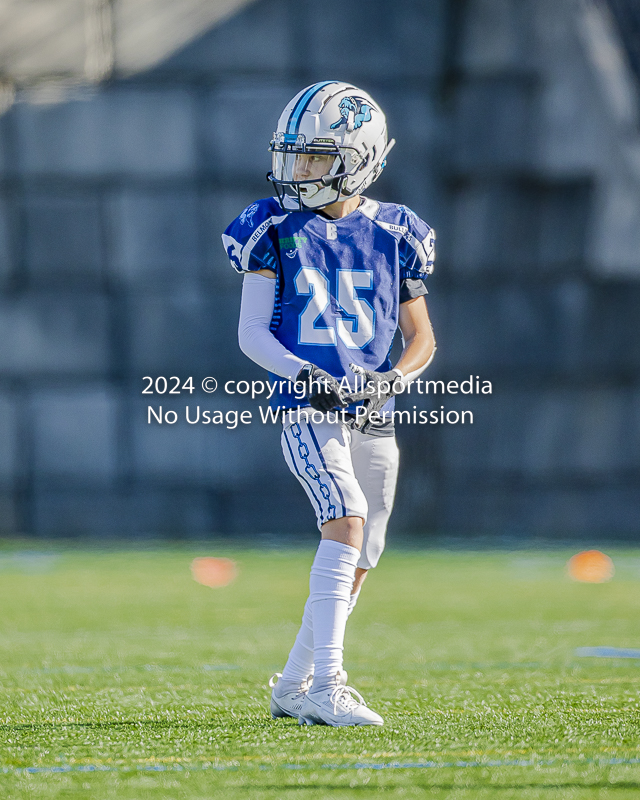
point(329, 277)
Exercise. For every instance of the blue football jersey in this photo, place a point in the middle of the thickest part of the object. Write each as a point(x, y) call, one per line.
point(337, 281)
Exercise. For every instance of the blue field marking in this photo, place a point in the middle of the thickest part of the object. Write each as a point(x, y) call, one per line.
point(606, 652)
point(517, 762)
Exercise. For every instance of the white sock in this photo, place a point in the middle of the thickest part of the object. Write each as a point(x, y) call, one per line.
point(330, 585)
point(300, 662)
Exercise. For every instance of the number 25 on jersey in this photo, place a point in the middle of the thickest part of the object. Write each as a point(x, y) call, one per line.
point(356, 329)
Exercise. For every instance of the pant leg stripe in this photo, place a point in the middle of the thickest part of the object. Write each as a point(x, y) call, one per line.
point(324, 464)
point(303, 477)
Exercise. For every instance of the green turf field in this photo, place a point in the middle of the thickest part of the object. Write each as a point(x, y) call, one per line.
point(136, 682)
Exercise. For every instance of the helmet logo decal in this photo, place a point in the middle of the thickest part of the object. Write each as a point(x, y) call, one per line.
point(246, 218)
point(354, 111)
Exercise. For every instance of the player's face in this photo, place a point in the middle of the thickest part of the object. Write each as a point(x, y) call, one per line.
point(308, 167)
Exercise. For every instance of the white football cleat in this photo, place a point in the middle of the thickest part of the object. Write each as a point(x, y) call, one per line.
point(335, 706)
point(287, 696)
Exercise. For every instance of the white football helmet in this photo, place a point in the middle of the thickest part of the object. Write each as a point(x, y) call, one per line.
point(342, 130)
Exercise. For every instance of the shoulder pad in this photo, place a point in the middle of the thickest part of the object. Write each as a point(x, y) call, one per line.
point(406, 225)
point(244, 239)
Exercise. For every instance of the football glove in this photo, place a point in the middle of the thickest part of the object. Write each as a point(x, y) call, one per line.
point(321, 389)
point(377, 388)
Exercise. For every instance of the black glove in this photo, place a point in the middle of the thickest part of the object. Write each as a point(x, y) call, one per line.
point(377, 388)
point(322, 390)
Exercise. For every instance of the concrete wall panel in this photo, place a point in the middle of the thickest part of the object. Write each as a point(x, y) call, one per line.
point(5, 164)
point(184, 333)
point(49, 334)
point(6, 255)
point(377, 45)
point(64, 238)
point(519, 227)
point(494, 124)
point(258, 39)
point(558, 513)
point(156, 237)
point(137, 131)
point(223, 454)
point(9, 456)
point(240, 117)
point(496, 36)
point(75, 434)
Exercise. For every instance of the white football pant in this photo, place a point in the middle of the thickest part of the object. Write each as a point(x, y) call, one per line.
point(345, 473)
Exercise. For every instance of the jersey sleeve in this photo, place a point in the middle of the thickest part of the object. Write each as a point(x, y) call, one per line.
point(417, 248)
point(249, 239)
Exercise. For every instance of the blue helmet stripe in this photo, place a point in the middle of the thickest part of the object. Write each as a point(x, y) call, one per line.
point(302, 105)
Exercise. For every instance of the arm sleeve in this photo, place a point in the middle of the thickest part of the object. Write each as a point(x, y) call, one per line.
point(254, 337)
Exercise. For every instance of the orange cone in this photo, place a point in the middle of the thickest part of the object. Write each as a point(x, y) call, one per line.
point(590, 566)
point(213, 572)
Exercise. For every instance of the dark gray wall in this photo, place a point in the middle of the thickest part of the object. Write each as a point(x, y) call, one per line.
point(111, 207)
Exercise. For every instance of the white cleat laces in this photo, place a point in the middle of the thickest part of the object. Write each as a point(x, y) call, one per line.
point(337, 706)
